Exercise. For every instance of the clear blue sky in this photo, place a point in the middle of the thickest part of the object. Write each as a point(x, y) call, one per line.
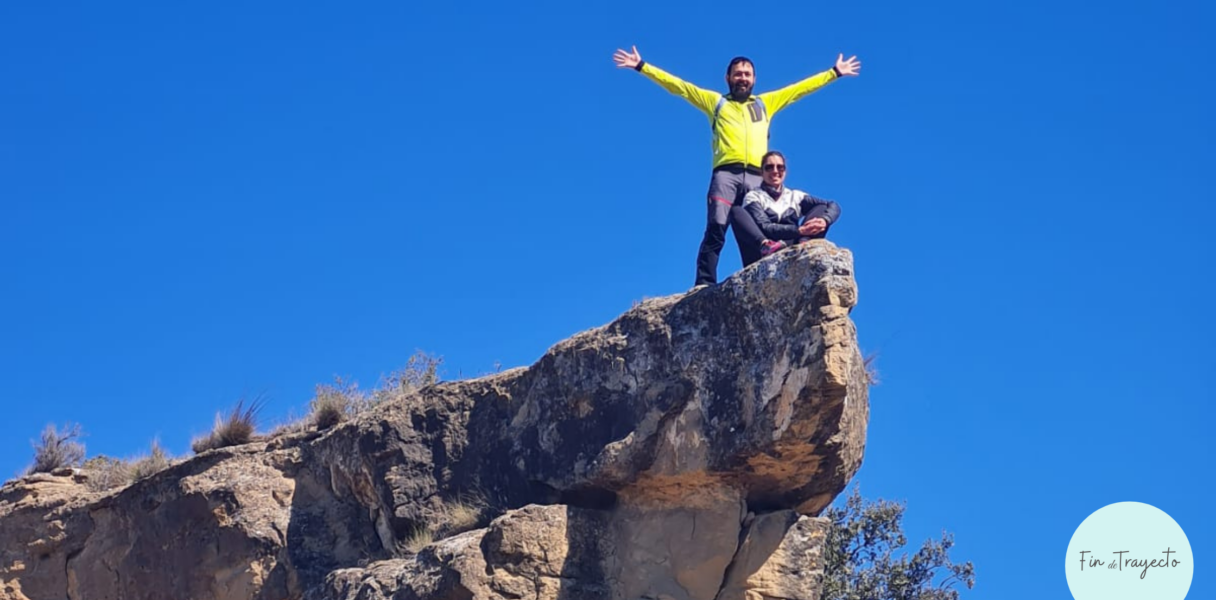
point(208, 201)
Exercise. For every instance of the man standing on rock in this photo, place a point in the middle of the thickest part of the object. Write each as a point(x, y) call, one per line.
point(739, 122)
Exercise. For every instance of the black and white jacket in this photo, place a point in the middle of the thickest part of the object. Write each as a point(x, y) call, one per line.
point(778, 213)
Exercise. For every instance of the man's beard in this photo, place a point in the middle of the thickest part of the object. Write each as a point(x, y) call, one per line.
point(741, 90)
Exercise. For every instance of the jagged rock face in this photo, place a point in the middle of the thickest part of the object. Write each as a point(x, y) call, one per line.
point(667, 455)
point(564, 552)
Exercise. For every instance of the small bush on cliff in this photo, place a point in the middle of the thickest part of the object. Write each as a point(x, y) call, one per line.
point(859, 560)
point(154, 462)
point(57, 449)
point(333, 403)
point(235, 430)
point(338, 401)
point(106, 473)
point(421, 370)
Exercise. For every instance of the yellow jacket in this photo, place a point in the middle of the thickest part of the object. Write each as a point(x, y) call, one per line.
point(741, 133)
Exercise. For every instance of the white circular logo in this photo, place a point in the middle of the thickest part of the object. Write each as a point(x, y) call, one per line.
point(1129, 551)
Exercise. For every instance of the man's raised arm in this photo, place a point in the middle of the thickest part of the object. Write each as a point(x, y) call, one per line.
point(779, 99)
point(703, 99)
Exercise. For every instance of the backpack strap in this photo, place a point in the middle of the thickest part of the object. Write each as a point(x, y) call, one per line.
point(764, 111)
point(717, 110)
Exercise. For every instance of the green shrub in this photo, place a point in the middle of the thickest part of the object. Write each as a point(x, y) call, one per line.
point(862, 556)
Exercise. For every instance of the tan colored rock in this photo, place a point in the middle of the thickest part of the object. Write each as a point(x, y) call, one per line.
point(555, 552)
point(42, 522)
point(539, 552)
point(675, 551)
point(781, 558)
point(11, 590)
point(218, 532)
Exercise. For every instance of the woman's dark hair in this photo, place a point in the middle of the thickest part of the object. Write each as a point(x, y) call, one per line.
point(766, 156)
point(739, 59)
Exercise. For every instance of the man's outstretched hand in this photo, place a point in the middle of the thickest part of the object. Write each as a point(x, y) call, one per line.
point(627, 60)
point(850, 67)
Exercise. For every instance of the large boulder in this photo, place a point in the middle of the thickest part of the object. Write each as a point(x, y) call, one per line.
point(679, 452)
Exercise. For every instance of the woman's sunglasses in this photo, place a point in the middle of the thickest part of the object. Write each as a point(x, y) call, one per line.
point(774, 167)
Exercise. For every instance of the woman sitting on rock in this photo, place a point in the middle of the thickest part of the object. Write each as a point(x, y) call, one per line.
point(778, 209)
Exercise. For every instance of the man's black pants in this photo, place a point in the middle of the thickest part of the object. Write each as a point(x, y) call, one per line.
point(727, 187)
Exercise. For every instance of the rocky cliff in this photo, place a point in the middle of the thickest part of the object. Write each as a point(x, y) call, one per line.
point(678, 453)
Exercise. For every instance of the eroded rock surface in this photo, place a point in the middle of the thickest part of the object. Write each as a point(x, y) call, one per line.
point(679, 452)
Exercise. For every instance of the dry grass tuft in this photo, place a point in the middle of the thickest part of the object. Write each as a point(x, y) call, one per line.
point(872, 377)
point(452, 516)
point(420, 538)
point(57, 449)
point(237, 429)
point(328, 410)
point(154, 462)
point(291, 425)
point(460, 517)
